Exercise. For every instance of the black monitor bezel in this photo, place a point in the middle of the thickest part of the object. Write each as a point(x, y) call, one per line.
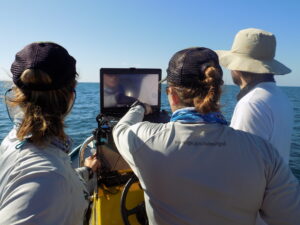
point(120, 111)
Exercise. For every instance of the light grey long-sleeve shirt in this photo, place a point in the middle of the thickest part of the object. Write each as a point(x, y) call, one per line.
point(207, 174)
point(39, 186)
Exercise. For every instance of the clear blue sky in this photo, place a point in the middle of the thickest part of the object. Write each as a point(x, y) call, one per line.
point(145, 33)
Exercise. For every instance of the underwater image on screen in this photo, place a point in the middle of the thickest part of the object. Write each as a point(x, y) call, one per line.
point(121, 90)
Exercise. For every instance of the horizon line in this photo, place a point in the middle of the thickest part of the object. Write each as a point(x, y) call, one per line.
point(162, 83)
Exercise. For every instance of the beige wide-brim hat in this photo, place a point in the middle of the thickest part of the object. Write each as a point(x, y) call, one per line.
point(253, 50)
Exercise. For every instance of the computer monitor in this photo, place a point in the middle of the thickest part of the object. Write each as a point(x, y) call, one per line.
point(120, 87)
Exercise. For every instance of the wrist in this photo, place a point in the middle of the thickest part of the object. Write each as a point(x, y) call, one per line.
point(137, 102)
point(90, 172)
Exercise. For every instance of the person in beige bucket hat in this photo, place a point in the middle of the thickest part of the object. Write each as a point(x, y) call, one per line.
point(262, 108)
point(253, 50)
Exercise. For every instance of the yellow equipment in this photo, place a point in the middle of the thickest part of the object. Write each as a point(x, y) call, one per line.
point(118, 198)
point(106, 209)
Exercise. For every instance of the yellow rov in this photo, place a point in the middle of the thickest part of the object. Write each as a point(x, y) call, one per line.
point(111, 207)
point(117, 198)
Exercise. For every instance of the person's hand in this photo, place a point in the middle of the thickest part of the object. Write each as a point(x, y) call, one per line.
point(92, 162)
point(148, 109)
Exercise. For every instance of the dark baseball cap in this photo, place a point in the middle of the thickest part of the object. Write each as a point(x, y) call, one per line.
point(48, 57)
point(186, 67)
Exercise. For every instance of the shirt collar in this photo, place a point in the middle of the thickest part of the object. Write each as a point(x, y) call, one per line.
point(245, 90)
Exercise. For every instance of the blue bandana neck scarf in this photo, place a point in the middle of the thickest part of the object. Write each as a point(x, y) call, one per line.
point(190, 115)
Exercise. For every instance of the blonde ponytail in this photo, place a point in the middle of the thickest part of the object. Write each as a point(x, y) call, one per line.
point(44, 111)
point(208, 101)
point(205, 95)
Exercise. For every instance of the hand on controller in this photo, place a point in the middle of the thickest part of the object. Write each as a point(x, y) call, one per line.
point(92, 162)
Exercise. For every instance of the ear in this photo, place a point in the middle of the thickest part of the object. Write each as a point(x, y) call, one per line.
point(174, 96)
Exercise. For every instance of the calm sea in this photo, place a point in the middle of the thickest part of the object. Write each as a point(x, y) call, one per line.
point(81, 122)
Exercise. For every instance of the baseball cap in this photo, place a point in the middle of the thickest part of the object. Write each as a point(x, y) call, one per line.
point(48, 57)
point(187, 67)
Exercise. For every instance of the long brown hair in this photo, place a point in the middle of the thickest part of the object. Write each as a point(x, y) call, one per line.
point(205, 96)
point(44, 111)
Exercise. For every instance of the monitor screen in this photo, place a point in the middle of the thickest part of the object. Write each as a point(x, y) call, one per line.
point(121, 87)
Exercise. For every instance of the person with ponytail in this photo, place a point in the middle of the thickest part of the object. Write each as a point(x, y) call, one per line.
point(196, 169)
point(37, 183)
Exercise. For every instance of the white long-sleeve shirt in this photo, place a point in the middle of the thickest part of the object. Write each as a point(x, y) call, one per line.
point(267, 112)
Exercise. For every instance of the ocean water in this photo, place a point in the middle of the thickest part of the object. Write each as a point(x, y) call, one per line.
point(82, 120)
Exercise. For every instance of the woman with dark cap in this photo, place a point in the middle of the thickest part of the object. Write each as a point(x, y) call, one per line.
point(197, 170)
point(37, 183)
